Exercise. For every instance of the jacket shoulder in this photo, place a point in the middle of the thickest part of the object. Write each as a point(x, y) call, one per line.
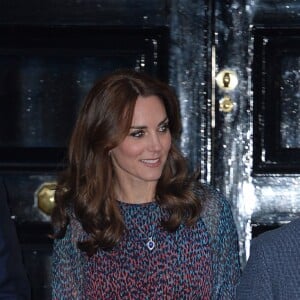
point(286, 234)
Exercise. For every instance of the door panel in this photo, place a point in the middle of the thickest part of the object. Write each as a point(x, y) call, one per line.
point(257, 143)
point(276, 107)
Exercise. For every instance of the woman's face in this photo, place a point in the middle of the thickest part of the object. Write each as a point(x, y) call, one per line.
point(141, 156)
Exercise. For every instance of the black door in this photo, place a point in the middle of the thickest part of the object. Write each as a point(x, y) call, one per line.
point(239, 99)
point(46, 70)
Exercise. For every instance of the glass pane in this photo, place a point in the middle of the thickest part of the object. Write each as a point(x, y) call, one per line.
point(41, 95)
point(290, 102)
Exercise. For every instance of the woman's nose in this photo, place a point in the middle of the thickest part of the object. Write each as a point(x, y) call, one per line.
point(155, 143)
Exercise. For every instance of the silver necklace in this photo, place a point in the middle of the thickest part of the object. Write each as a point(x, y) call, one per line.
point(150, 244)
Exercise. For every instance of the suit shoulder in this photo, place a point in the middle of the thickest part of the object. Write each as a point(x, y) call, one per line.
point(286, 234)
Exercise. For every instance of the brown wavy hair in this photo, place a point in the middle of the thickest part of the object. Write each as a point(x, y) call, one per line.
point(87, 185)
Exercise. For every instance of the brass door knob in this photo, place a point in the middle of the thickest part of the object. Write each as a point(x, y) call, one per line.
point(227, 80)
point(226, 104)
point(45, 197)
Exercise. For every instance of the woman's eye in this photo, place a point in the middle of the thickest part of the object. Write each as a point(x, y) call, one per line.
point(163, 128)
point(137, 133)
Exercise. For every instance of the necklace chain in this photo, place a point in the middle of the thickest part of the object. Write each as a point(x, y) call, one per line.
point(150, 244)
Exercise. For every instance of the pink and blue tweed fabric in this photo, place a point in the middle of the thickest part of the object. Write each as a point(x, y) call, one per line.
point(191, 263)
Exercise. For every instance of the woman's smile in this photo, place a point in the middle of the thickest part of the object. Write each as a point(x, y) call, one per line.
point(152, 163)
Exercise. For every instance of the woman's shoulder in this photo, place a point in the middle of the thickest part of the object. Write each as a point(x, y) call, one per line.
point(214, 202)
point(216, 209)
point(74, 229)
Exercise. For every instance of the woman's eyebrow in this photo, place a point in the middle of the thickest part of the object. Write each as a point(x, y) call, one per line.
point(164, 121)
point(144, 126)
point(138, 127)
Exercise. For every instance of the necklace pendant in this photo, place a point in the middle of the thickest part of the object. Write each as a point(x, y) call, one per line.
point(150, 244)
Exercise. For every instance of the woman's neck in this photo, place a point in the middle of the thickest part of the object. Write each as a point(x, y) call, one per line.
point(137, 194)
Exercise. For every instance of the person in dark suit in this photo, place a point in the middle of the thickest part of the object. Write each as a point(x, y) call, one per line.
point(273, 268)
point(14, 284)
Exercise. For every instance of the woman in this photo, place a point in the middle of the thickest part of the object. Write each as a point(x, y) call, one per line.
point(129, 221)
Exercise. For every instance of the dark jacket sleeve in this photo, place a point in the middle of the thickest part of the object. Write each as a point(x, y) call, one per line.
point(273, 269)
point(255, 282)
point(14, 284)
